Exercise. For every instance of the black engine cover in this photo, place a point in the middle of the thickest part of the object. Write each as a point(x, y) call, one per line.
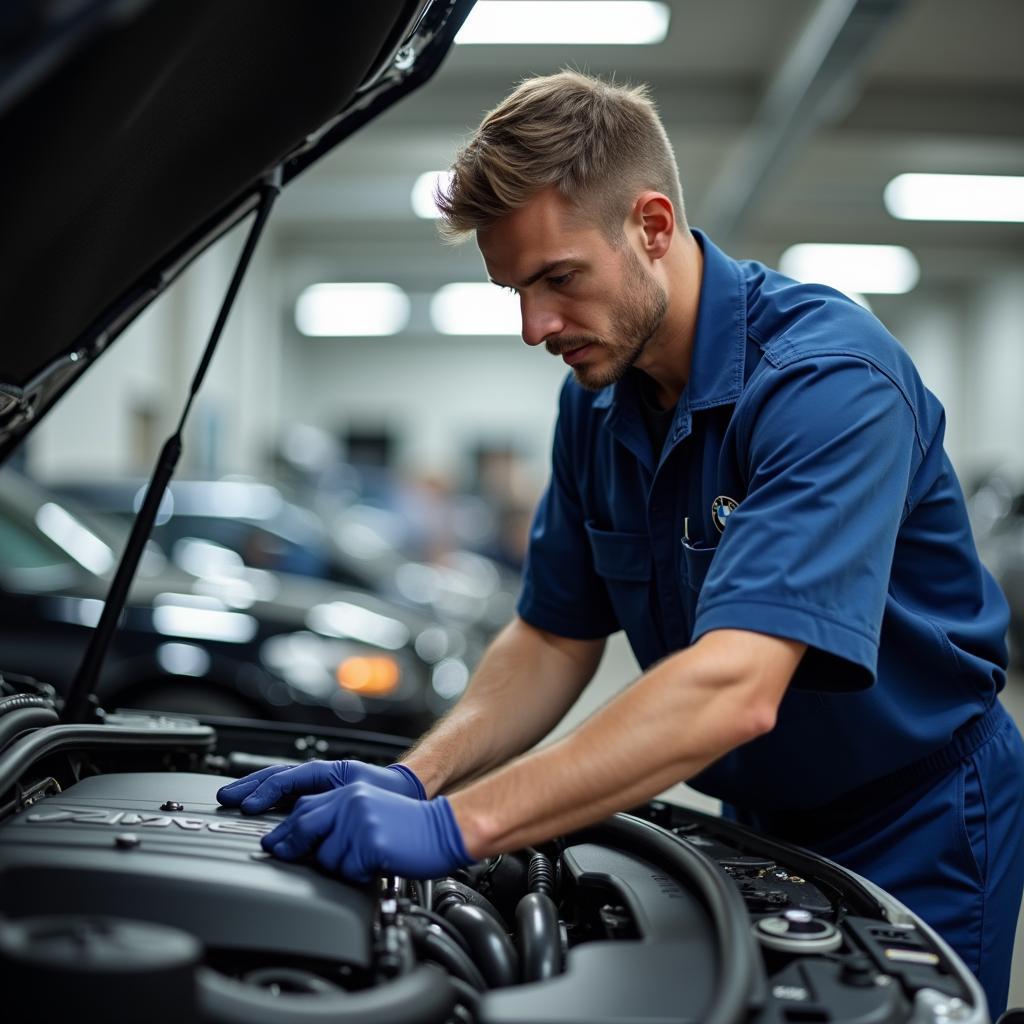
point(107, 846)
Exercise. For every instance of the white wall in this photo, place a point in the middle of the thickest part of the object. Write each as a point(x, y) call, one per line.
point(994, 384)
point(437, 395)
point(932, 331)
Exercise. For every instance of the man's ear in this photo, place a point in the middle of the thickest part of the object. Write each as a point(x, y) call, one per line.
point(654, 215)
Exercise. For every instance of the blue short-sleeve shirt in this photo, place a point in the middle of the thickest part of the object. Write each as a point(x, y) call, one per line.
point(802, 491)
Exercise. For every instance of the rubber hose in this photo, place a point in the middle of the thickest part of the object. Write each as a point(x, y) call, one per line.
point(24, 700)
point(450, 930)
point(541, 877)
point(538, 937)
point(491, 949)
point(14, 723)
point(469, 997)
point(451, 892)
point(442, 950)
point(427, 893)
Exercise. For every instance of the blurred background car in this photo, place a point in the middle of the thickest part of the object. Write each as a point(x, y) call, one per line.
point(208, 634)
point(360, 547)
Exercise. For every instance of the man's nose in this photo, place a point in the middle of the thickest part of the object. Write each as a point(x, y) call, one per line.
point(539, 321)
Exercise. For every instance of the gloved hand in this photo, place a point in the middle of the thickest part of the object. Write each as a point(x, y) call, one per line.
point(360, 830)
point(262, 789)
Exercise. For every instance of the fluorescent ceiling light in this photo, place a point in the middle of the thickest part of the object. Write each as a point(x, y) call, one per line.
point(622, 22)
point(475, 308)
point(979, 197)
point(351, 310)
point(874, 269)
point(423, 193)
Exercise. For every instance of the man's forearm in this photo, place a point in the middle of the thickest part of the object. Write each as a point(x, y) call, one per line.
point(523, 686)
point(673, 722)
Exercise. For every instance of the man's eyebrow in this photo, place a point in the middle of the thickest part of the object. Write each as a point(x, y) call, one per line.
point(538, 274)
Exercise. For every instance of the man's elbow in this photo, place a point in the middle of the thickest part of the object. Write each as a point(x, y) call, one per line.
point(760, 719)
point(752, 672)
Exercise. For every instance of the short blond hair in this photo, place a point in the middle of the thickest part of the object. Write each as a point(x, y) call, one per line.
point(598, 142)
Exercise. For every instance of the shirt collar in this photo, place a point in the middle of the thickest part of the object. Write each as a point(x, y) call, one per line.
point(719, 342)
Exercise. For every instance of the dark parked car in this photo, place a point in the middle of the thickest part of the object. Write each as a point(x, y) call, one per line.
point(221, 638)
point(133, 135)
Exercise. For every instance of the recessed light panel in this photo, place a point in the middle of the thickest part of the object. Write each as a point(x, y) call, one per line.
point(533, 22)
point(423, 193)
point(333, 310)
point(475, 308)
point(869, 269)
point(962, 197)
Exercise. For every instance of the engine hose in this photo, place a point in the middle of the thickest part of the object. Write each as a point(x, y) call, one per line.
point(24, 700)
point(491, 949)
point(468, 996)
point(538, 937)
point(426, 890)
point(450, 930)
point(450, 892)
point(14, 723)
point(432, 946)
point(541, 877)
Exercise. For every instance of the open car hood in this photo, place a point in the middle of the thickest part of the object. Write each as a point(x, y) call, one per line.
point(137, 132)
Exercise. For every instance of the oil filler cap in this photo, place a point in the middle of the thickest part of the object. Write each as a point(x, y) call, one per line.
point(797, 931)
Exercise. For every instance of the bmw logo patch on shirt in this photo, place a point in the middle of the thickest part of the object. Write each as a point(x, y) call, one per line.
point(721, 508)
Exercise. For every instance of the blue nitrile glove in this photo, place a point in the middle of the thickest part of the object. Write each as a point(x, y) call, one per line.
point(262, 789)
point(359, 831)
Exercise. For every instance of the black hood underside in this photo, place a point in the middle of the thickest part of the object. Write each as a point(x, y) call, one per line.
point(146, 135)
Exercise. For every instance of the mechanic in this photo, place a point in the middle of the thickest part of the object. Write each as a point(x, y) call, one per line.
point(748, 477)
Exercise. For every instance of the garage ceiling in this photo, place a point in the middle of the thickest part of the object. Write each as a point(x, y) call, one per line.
point(788, 118)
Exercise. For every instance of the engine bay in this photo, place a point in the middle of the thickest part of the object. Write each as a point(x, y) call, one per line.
point(124, 884)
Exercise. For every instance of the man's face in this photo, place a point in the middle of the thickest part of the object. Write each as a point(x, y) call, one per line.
point(592, 303)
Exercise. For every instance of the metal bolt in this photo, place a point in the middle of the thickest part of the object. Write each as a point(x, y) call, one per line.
point(171, 805)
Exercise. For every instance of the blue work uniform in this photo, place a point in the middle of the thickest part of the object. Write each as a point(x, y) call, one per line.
point(803, 491)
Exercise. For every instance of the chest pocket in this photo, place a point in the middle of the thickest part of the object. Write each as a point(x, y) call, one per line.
point(694, 564)
point(623, 561)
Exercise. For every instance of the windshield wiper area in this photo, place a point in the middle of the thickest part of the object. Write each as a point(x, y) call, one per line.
point(77, 706)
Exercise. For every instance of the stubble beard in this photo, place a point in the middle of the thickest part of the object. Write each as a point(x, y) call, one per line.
point(634, 321)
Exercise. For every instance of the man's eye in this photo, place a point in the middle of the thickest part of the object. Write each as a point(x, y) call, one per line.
point(558, 280)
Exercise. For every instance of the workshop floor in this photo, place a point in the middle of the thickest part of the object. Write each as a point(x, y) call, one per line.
point(619, 668)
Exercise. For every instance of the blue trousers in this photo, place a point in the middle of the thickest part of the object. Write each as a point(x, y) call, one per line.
point(952, 851)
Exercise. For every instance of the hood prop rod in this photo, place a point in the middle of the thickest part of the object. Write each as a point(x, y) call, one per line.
point(76, 705)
